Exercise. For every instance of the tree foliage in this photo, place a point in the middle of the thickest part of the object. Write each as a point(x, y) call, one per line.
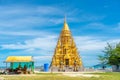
point(111, 55)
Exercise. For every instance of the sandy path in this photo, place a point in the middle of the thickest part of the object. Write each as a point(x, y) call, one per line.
point(80, 75)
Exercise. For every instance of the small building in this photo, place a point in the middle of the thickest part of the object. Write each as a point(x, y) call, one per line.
point(20, 64)
point(115, 68)
point(104, 67)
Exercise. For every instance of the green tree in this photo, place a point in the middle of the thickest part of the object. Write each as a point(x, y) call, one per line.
point(112, 55)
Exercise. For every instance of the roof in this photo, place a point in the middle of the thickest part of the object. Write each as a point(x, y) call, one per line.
point(19, 59)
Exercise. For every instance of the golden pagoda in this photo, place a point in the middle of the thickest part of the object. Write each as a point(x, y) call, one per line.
point(66, 56)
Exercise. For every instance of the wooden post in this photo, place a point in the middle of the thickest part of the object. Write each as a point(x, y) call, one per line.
point(32, 67)
point(11, 65)
point(6, 65)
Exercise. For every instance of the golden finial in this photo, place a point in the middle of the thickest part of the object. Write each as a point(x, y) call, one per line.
point(65, 27)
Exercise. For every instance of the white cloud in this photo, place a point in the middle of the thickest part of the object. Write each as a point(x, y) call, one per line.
point(49, 10)
point(24, 33)
point(37, 58)
point(43, 43)
point(40, 60)
point(92, 43)
point(20, 16)
point(90, 17)
point(43, 48)
point(48, 43)
point(26, 17)
point(96, 25)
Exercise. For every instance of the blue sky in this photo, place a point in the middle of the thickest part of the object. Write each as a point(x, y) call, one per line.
point(32, 27)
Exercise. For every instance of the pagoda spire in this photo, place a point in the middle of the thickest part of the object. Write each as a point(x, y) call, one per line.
point(65, 26)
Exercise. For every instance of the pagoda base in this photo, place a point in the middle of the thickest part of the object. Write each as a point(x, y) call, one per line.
point(66, 69)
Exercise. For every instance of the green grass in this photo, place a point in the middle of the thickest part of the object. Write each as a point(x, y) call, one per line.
point(48, 73)
point(109, 75)
point(57, 76)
